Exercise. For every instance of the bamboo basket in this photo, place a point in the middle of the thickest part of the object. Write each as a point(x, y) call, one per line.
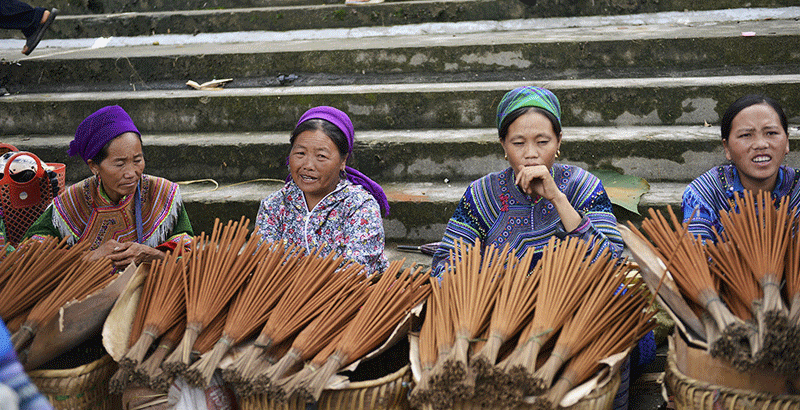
point(693, 394)
point(83, 387)
point(387, 393)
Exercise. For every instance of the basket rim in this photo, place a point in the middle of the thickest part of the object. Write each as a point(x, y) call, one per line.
point(76, 371)
point(672, 367)
point(376, 382)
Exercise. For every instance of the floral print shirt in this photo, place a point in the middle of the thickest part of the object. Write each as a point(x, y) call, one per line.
point(347, 221)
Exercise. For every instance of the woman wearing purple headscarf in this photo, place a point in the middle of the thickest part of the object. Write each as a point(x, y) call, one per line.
point(324, 202)
point(127, 216)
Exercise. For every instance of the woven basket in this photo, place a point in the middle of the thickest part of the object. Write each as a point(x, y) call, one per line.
point(387, 393)
point(84, 387)
point(691, 394)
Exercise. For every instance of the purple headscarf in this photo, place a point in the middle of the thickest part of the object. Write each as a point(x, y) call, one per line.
point(339, 119)
point(98, 129)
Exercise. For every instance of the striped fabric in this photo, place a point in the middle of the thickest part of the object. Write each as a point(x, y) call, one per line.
point(495, 211)
point(13, 376)
point(712, 191)
point(528, 97)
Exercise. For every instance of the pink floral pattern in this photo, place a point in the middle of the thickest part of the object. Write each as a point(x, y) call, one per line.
point(347, 222)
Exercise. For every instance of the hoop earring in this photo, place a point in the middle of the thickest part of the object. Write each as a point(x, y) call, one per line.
point(506, 157)
point(342, 174)
point(558, 153)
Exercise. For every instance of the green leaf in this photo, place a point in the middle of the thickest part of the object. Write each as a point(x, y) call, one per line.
point(623, 190)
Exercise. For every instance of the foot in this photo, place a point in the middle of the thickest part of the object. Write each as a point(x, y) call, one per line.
point(32, 41)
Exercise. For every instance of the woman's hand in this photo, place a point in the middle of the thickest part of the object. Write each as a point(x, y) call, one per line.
point(536, 179)
point(122, 254)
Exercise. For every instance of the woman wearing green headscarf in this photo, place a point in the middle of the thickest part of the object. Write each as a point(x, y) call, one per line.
point(534, 198)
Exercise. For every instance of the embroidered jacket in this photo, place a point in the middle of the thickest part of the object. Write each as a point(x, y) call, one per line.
point(347, 221)
point(85, 213)
point(711, 192)
point(494, 210)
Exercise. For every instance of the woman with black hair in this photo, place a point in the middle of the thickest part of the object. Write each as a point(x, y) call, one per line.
point(535, 198)
point(127, 216)
point(325, 203)
point(755, 139)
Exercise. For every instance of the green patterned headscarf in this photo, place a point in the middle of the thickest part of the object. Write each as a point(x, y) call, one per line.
point(528, 97)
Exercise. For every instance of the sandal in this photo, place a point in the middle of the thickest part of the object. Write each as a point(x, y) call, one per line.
point(36, 37)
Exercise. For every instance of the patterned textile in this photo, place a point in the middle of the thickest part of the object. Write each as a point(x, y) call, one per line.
point(494, 210)
point(85, 213)
point(13, 375)
point(528, 97)
point(710, 193)
point(347, 221)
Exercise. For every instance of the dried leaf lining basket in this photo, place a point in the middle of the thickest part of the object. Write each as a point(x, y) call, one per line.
point(692, 394)
point(387, 393)
point(83, 387)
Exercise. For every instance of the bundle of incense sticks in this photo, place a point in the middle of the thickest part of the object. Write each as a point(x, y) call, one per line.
point(250, 308)
point(588, 303)
point(390, 299)
point(735, 280)
point(81, 279)
point(218, 265)
point(31, 272)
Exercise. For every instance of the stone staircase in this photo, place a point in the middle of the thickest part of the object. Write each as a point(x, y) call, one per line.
point(642, 85)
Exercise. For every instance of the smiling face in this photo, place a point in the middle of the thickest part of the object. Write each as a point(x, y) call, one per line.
point(315, 164)
point(757, 145)
point(122, 168)
point(531, 141)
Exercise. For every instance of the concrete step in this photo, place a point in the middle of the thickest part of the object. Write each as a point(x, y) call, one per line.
point(592, 102)
point(419, 211)
point(539, 8)
point(300, 17)
point(283, 18)
point(674, 153)
point(634, 46)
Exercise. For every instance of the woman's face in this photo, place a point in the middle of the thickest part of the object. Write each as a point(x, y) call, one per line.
point(531, 141)
point(757, 145)
point(315, 164)
point(121, 170)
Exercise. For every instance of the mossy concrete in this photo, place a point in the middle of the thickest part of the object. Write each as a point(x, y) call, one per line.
point(624, 102)
point(716, 49)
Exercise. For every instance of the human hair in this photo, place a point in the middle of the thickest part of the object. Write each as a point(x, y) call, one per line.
point(747, 101)
point(103, 153)
point(333, 132)
point(519, 112)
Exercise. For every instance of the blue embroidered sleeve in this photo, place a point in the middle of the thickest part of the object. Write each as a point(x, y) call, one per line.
point(599, 225)
point(465, 224)
point(705, 220)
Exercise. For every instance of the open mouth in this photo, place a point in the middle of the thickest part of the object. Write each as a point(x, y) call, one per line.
point(761, 159)
point(307, 179)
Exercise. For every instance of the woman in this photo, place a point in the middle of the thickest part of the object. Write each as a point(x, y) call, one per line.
point(534, 198)
point(126, 215)
point(324, 202)
point(755, 139)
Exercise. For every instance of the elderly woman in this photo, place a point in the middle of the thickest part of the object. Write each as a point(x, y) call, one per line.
point(126, 215)
point(324, 202)
point(534, 198)
point(755, 139)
